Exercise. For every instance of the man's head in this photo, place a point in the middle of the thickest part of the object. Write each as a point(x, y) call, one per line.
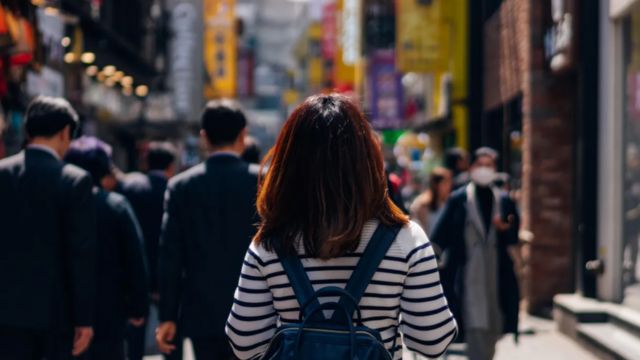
point(52, 122)
point(456, 160)
point(94, 156)
point(161, 156)
point(224, 126)
point(483, 169)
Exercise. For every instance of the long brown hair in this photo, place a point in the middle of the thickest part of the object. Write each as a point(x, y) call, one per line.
point(326, 179)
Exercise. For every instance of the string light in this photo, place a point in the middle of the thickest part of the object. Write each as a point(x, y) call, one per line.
point(142, 90)
point(88, 57)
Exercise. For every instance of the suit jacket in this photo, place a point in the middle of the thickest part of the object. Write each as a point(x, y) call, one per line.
point(449, 234)
point(47, 245)
point(122, 285)
point(207, 227)
point(146, 195)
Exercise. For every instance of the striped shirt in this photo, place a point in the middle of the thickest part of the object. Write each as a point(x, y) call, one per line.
point(404, 297)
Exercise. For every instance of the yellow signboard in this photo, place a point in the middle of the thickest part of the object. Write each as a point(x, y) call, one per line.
point(220, 48)
point(423, 36)
point(344, 73)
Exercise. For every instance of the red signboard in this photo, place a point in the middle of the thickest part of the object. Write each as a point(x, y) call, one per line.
point(329, 30)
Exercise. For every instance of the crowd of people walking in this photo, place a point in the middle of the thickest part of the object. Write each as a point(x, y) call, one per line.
point(87, 253)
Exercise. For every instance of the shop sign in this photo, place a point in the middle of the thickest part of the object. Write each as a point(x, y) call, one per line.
point(559, 38)
point(185, 61)
point(47, 82)
point(245, 72)
point(111, 103)
point(633, 96)
point(220, 48)
point(344, 74)
point(423, 33)
point(158, 108)
point(329, 28)
point(350, 31)
point(51, 26)
point(386, 91)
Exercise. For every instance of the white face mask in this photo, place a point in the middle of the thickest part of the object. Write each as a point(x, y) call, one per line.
point(483, 176)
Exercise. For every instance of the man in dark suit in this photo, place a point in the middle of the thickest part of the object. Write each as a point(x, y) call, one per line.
point(47, 247)
point(208, 225)
point(122, 287)
point(145, 192)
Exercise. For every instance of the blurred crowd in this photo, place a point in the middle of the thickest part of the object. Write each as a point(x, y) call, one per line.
point(88, 250)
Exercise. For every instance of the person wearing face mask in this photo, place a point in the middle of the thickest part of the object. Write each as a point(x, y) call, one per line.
point(479, 229)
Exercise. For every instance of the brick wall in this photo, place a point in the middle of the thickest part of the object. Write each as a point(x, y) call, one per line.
point(515, 64)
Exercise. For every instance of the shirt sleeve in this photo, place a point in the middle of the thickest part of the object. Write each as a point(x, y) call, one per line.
point(252, 321)
point(427, 324)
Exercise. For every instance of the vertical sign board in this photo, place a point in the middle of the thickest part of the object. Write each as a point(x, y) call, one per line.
point(344, 72)
point(185, 57)
point(423, 36)
point(220, 48)
point(329, 30)
point(559, 40)
point(386, 91)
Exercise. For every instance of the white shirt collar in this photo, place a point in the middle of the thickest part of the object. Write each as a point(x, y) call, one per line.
point(45, 149)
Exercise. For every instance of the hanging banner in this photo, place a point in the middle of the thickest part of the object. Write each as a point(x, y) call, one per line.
point(220, 48)
point(329, 28)
point(423, 36)
point(185, 61)
point(386, 91)
point(344, 71)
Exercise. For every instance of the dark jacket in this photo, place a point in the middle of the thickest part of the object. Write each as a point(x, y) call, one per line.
point(448, 234)
point(47, 243)
point(209, 221)
point(122, 286)
point(146, 196)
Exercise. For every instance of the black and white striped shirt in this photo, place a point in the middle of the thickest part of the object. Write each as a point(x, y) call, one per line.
point(405, 290)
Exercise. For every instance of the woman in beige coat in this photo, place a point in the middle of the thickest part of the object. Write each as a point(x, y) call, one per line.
point(427, 207)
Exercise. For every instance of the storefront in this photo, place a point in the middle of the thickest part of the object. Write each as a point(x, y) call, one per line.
point(619, 235)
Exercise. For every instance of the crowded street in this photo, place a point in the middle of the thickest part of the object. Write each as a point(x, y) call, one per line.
point(319, 179)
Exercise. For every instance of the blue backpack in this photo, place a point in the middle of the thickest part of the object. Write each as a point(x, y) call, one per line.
point(316, 337)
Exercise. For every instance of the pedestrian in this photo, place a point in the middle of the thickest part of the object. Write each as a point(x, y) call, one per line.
point(457, 161)
point(251, 153)
point(322, 198)
point(122, 286)
point(48, 242)
point(209, 221)
point(145, 192)
point(427, 207)
point(479, 229)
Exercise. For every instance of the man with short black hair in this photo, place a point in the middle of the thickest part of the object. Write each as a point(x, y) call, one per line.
point(47, 265)
point(145, 192)
point(208, 225)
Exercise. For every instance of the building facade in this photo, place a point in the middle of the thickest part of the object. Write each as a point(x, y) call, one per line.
point(531, 94)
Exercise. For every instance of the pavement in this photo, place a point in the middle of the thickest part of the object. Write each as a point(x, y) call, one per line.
point(539, 340)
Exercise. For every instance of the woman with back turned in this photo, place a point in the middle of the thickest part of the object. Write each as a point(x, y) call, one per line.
point(324, 195)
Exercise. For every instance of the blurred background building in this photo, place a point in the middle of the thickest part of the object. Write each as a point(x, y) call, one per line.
point(554, 85)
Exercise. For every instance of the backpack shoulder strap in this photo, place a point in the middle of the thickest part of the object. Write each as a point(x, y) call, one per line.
point(299, 281)
point(368, 264)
